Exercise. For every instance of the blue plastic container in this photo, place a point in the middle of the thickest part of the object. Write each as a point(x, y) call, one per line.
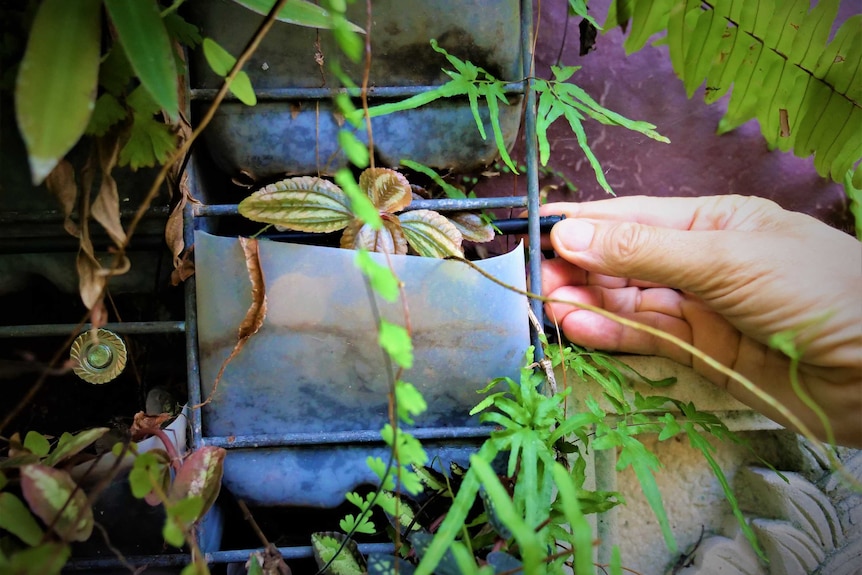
point(292, 129)
point(313, 380)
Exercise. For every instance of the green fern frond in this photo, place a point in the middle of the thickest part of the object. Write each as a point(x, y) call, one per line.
point(806, 94)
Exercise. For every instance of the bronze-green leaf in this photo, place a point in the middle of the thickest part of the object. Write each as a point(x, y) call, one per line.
point(431, 234)
point(56, 500)
point(56, 86)
point(70, 445)
point(387, 189)
point(472, 227)
point(148, 47)
point(200, 476)
point(388, 239)
point(306, 204)
point(349, 560)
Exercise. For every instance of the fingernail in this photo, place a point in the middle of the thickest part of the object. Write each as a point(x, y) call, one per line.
point(573, 234)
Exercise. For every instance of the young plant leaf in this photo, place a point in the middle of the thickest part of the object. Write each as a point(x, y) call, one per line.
point(387, 189)
point(37, 443)
point(56, 500)
point(148, 47)
point(298, 12)
point(395, 340)
point(448, 189)
point(382, 280)
point(45, 559)
point(360, 204)
point(107, 112)
point(221, 62)
point(410, 401)
point(356, 151)
point(17, 520)
point(306, 204)
point(180, 516)
point(431, 234)
point(56, 85)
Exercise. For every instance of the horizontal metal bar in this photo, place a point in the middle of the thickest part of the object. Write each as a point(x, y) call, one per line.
point(60, 329)
point(442, 205)
point(46, 216)
point(340, 437)
point(281, 94)
point(180, 559)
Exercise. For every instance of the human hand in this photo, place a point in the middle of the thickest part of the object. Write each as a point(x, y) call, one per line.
point(723, 274)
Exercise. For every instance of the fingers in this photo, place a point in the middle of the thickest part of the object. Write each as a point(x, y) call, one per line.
point(657, 307)
point(742, 213)
point(693, 261)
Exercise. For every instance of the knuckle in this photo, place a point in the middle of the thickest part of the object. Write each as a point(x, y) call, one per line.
point(624, 244)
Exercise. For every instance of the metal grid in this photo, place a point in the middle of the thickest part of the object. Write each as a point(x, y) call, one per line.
point(530, 201)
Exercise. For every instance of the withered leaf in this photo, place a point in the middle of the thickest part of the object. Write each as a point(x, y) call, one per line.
point(91, 281)
point(306, 204)
point(784, 123)
point(143, 425)
point(387, 189)
point(256, 312)
point(431, 234)
point(55, 498)
point(61, 183)
point(106, 206)
point(389, 239)
point(472, 227)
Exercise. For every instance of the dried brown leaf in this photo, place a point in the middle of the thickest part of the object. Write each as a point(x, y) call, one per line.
point(143, 425)
point(472, 227)
point(390, 239)
point(91, 280)
point(256, 312)
point(174, 230)
point(185, 270)
point(61, 183)
point(387, 189)
point(106, 206)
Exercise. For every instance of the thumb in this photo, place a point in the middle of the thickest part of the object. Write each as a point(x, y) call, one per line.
point(681, 259)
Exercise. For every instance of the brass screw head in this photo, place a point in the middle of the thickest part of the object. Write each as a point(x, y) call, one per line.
point(98, 359)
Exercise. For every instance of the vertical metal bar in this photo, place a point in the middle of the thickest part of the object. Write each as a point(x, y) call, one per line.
point(535, 249)
point(193, 373)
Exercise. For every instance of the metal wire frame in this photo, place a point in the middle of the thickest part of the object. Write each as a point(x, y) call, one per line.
point(531, 201)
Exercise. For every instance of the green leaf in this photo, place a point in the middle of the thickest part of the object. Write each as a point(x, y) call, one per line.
point(180, 517)
point(360, 204)
point(298, 12)
point(147, 45)
point(409, 400)
point(395, 340)
point(184, 32)
point(37, 443)
point(356, 151)
point(357, 524)
point(347, 562)
point(431, 234)
point(70, 445)
point(306, 203)
point(56, 500)
point(221, 62)
point(382, 280)
point(17, 520)
point(46, 559)
point(57, 79)
point(108, 111)
point(150, 143)
point(582, 533)
point(448, 189)
point(150, 468)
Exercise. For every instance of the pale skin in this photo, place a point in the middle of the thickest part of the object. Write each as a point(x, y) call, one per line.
point(724, 274)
